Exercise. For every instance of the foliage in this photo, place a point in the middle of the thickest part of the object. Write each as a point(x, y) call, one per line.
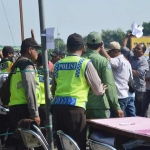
point(146, 30)
point(112, 35)
point(59, 44)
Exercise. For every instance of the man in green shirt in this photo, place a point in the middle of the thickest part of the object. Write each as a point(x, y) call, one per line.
point(98, 106)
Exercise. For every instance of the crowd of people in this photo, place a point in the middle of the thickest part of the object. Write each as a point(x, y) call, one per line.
point(91, 81)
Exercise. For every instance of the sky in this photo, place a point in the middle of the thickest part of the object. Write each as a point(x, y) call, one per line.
point(70, 16)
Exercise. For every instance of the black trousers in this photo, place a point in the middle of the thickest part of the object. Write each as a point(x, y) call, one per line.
point(72, 121)
point(4, 126)
point(17, 113)
point(140, 104)
point(146, 103)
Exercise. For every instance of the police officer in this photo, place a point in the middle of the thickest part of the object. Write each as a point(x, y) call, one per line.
point(42, 107)
point(73, 76)
point(6, 63)
point(5, 66)
point(24, 86)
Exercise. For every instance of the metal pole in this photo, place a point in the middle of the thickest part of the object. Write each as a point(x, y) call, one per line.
point(21, 20)
point(46, 73)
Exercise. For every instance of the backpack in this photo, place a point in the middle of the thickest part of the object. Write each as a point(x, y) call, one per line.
point(5, 89)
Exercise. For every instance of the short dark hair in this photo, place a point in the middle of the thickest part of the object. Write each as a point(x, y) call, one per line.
point(93, 46)
point(7, 50)
point(74, 48)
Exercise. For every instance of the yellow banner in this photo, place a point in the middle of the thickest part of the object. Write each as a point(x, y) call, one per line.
point(145, 40)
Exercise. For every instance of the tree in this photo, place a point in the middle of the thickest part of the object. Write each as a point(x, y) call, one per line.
point(112, 35)
point(59, 44)
point(146, 30)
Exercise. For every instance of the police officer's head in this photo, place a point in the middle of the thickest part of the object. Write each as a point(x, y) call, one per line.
point(94, 41)
point(8, 52)
point(75, 44)
point(29, 48)
point(113, 49)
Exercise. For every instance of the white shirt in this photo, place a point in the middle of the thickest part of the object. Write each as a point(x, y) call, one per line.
point(120, 67)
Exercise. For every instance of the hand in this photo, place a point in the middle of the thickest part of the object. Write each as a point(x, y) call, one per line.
point(129, 34)
point(37, 119)
point(120, 113)
point(104, 86)
point(102, 45)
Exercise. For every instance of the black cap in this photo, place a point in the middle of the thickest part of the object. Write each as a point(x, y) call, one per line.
point(29, 42)
point(75, 39)
point(55, 53)
point(62, 53)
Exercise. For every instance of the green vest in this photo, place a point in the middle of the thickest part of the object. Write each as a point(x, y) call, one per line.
point(42, 91)
point(17, 90)
point(72, 87)
point(5, 66)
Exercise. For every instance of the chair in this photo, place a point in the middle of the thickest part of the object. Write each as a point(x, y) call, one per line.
point(94, 145)
point(40, 133)
point(103, 137)
point(32, 139)
point(67, 142)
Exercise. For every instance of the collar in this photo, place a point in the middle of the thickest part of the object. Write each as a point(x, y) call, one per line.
point(73, 54)
point(139, 57)
point(121, 55)
point(92, 51)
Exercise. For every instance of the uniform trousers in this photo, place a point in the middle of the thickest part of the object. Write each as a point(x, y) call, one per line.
point(72, 121)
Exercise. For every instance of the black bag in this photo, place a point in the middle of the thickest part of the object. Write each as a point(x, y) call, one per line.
point(5, 89)
point(131, 84)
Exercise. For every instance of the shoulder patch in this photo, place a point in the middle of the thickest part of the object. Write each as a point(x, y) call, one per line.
point(109, 66)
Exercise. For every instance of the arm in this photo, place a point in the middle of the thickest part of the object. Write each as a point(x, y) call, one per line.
point(29, 84)
point(124, 43)
point(124, 50)
point(142, 70)
point(104, 53)
point(111, 92)
point(113, 61)
point(93, 80)
point(135, 73)
point(53, 88)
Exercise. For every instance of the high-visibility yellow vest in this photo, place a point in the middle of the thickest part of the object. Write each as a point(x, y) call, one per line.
point(17, 89)
point(72, 87)
point(42, 91)
point(6, 66)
